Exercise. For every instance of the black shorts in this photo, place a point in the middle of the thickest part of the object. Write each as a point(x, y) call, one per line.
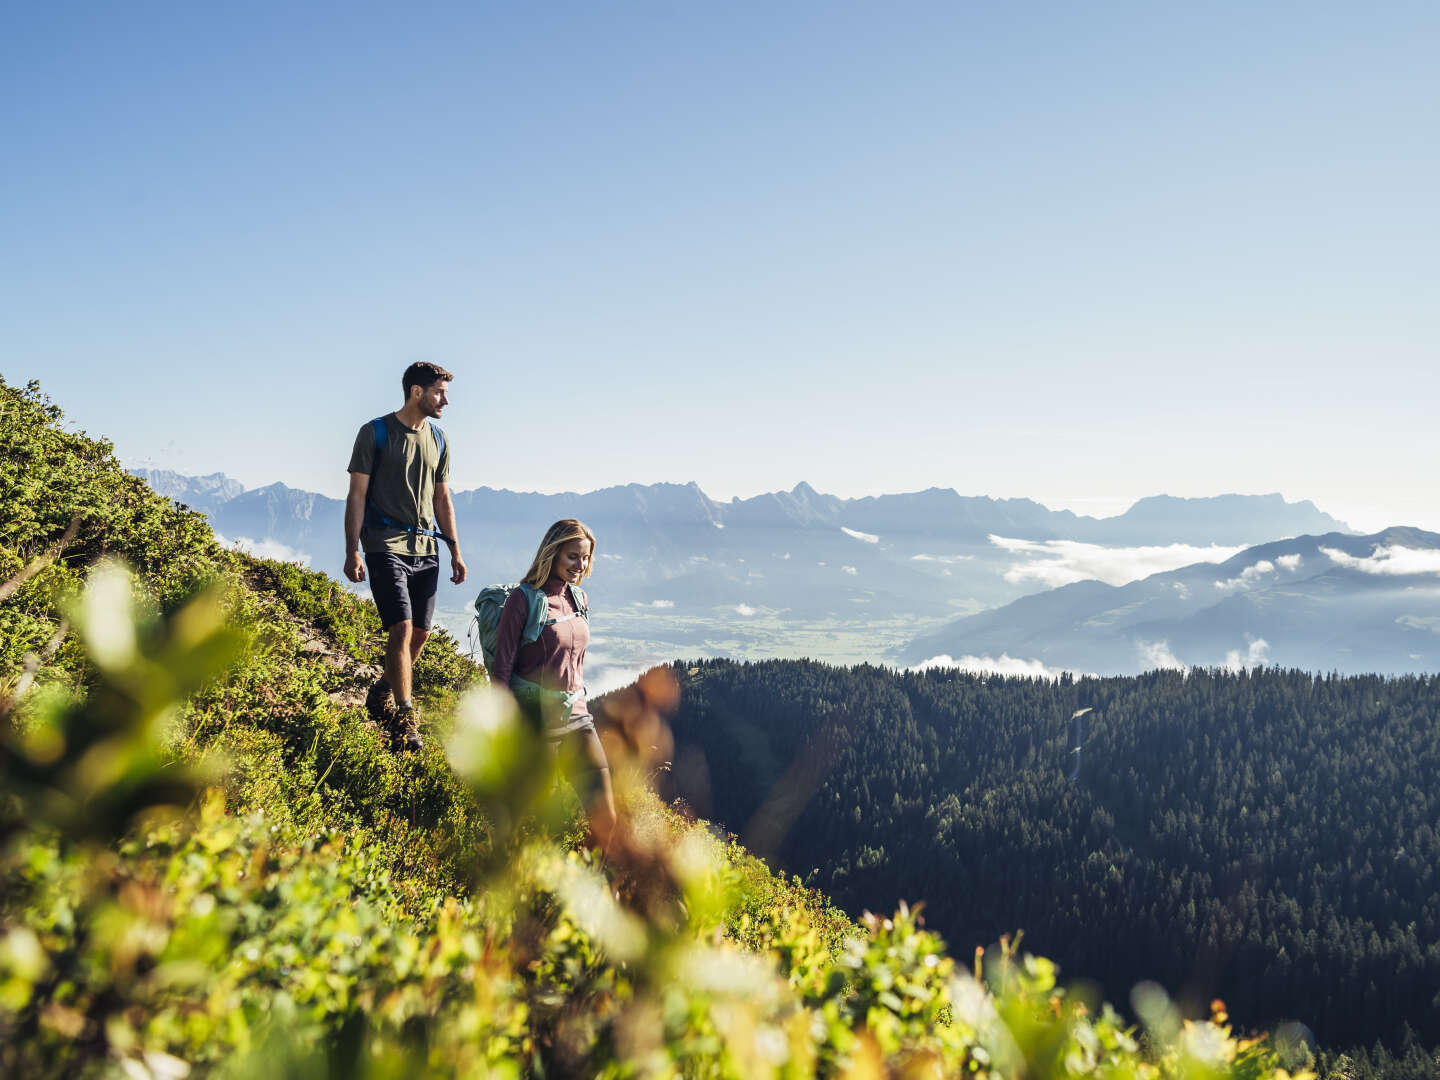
point(403, 586)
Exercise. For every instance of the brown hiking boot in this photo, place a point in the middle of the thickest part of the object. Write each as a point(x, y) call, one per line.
point(405, 734)
point(380, 703)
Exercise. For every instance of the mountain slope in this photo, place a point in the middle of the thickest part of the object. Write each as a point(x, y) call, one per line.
point(1224, 519)
point(1332, 602)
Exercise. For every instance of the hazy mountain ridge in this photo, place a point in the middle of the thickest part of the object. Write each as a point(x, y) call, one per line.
point(1289, 602)
point(940, 514)
point(777, 574)
point(215, 488)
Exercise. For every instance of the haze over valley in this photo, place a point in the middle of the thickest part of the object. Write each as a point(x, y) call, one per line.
point(929, 577)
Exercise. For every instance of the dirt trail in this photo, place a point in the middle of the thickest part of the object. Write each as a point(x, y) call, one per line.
point(351, 676)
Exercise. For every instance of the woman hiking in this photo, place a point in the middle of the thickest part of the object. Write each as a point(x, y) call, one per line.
point(547, 675)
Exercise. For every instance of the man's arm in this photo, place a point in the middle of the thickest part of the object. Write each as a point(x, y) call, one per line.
point(445, 519)
point(354, 518)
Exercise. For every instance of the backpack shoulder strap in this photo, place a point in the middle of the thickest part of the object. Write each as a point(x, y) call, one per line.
point(382, 436)
point(581, 601)
point(539, 616)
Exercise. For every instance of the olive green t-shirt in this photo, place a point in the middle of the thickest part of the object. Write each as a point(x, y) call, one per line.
point(403, 487)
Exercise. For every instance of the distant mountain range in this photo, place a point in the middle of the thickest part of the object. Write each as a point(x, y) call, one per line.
point(1331, 602)
point(671, 549)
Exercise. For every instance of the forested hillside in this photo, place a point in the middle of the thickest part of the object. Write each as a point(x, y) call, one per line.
point(1270, 837)
point(212, 865)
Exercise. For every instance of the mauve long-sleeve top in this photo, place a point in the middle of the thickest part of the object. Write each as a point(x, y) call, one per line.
point(556, 660)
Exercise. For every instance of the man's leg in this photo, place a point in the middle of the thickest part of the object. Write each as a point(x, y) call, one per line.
point(421, 583)
point(399, 657)
point(392, 601)
point(418, 637)
point(400, 651)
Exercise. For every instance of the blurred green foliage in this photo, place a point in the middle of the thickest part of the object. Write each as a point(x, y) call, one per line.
point(213, 866)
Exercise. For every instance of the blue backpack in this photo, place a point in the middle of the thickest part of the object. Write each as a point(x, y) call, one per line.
point(373, 517)
point(491, 602)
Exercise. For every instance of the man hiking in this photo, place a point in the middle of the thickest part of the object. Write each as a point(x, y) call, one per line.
point(399, 504)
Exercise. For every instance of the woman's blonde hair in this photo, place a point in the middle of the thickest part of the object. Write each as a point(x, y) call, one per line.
point(556, 537)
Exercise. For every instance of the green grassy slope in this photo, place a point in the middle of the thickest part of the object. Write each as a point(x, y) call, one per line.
point(212, 864)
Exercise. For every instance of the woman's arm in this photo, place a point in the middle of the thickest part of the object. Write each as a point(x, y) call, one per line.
point(513, 617)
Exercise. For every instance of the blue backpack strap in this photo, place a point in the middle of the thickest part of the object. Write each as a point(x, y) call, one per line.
point(539, 616)
point(381, 431)
point(382, 436)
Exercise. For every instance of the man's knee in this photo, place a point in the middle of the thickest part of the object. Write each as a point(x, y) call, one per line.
point(399, 633)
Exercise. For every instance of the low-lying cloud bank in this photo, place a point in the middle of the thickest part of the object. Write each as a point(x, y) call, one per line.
point(1255, 655)
point(1064, 562)
point(869, 538)
point(1391, 560)
point(601, 676)
point(1247, 577)
point(265, 549)
point(1158, 654)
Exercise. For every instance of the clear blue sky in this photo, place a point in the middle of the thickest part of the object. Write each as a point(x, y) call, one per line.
point(1069, 251)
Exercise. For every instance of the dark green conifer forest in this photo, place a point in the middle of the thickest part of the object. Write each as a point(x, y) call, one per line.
point(1269, 837)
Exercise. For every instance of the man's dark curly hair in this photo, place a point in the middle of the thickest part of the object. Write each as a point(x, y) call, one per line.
point(423, 375)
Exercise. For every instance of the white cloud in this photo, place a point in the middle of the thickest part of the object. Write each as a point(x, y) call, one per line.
point(601, 676)
point(1421, 622)
point(1395, 561)
point(607, 555)
point(265, 549)
point(989, 665)
point(1182, 590)
point(744, 609)
point(869, 538)
point(941, 558)
point(1063, 562)
point(850, 570)
point(655, 604)
point(1290, 562)
point(785, 556)
point(1157, 654)
point(1255, 655)
point(1247, 577)
point(718, 524)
